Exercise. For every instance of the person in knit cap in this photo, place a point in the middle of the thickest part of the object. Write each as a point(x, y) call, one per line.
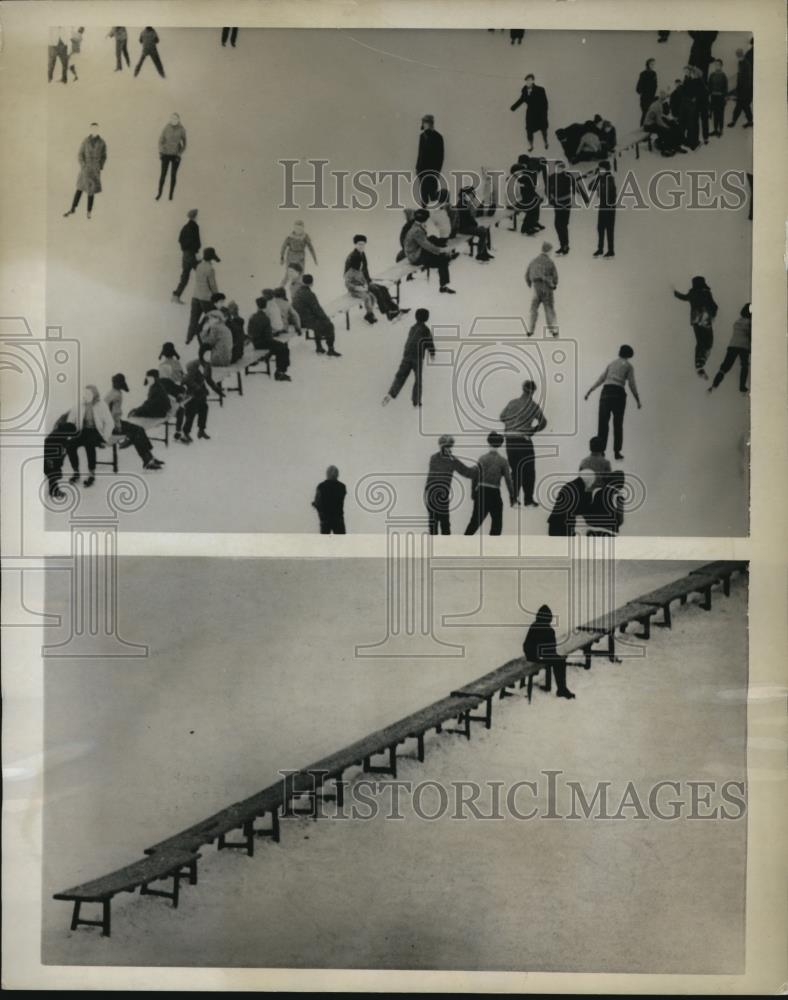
point(172, 146)
point(294, 249)
point(703, 309)
point(542, 276)
point(134, 434)
point(739, 347)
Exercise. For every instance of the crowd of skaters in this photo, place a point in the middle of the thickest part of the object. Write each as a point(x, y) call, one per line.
point(224, 335)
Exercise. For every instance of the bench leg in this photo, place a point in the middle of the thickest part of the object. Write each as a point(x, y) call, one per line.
point(667, 621)
point(240, 384)
point(420, 746)
point(75, 921)
point(530, 687)
point(104, 923)
point(587, 655)
point(706, 605)
point(115, 458)
point(488, 713)
point(726, 585)
point(646, 624)
point(105, 918)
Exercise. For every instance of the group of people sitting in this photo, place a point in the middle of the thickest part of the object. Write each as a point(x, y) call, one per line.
point(594, 139)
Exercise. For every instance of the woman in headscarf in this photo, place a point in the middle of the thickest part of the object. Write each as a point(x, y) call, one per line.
point(539, 647)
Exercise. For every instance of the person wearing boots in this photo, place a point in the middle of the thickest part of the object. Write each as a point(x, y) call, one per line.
point(356, 261)
point(149, 41)
point(172, 146)
point(95, 428)
point(134, 434)
point(647, 88)
point(171, 377)
point(419, 250)
point(561, 190)
point(429, 161)
point(92, 157)
point(613, 400)
point(313, 316)
point(535, 100)
point(539, 647)
point(522, 418)
point(493, 468)
point(718, 91)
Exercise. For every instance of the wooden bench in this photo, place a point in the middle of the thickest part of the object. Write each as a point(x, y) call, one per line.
point(723, 570)
point(149, 424)
point(497, 682)
point(680, 590)
point(633, 140)
point(255, 357)
point(112, 444)
point(606, 625)
point(167, 864)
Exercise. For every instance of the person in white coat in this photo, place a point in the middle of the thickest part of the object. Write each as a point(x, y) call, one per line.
point(95, 427)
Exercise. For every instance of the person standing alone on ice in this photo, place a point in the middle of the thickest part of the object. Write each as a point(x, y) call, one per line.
point(647, 88)
point(189, 241)
point(149, 41)
point(613, 400)
point(739, 347)
point(606, 218)
point(172, 146)
point(329, 503)
point(121, 46)
point(703, 309)
point(419, 342)
point(92, 156)
point(542, 276)
point(535, 100)
point(429, 162)
point(294, 249)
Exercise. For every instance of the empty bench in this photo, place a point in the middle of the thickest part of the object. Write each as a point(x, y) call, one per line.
point(680, 590)
point(606, 625)
point(168, 864)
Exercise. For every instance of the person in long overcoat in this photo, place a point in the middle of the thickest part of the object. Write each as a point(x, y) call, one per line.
point(535, 100)
point(92, 156)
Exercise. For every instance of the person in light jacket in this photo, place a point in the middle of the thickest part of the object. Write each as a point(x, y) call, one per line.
point(294, 248)
point(121, 46)
point(739, 347)
point(205, 288)
point(419, 250)
point(172, 146)
point(541, 275)
point(149, 41)
point(134, 434)
point(92, 156)
point(95, 428)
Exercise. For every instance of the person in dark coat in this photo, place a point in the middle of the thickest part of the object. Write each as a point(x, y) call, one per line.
point(429, 161)
point(561, 191)
point(58, 50)
point(196, 404)
point(313, 316)
point(743, 90)
point(149, 41)
point(356, 260)
point(418, 344)
point(539, 647)
point(703, 309)
point(516, 35)
point(647, 88)
point(468, 209)
point(189, 242)
point(739, 347)
point(61, 438)
point(235, 324)
point(261, 334)
point(329, 503)
point(674, 103)
point(438, 487)
point(535, 100)
point(718, 91)
point(158, 403)
point(528, 199)
point(92, 156)
point(696, 86)
point(229, 35)
point(573, 500)
point(605, 514)
point(606, 219)
point(700, 53)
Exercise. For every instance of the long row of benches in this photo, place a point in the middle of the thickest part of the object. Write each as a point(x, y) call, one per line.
point(175, 859)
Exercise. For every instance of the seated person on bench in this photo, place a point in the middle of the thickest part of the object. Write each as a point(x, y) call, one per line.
point(171, 377)
point(419, 250)
point(158, 403)
point(313, 316)
point(289, 316)
point(661, 123)
point(134, 434)
point(95, 429)
point(608, 136)
point(539, 647)
point(262, 337)
point(468, 209)
point(356, 261)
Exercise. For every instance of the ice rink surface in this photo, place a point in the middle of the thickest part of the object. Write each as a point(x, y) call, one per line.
point(252, 669)
point(355, 98)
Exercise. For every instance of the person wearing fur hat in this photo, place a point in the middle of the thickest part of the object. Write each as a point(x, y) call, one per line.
point(703, 309)
point(205, 288)
point(172, 146)
point(134, 434)
point(196, 404)
point(92, 157)
point(739, 347)
point(539, 647)
point(438, 487)
point(429, 161)
point(294, 249)
point(542, 276)
point(189, 242)
point(95, 428)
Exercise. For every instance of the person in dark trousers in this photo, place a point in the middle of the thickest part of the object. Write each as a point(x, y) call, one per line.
point(742, 90)
point(539, 647)
point(172, 146)
point(189, 242)
point(516, 35)
point(739, 347)
point(56, 445)
point(149, 41)
point(235, 324)
point(418, 344)
point(429, 162)
point(662, 36)
point(606, 219)
point(438, 487)
point(313, 316)
point(605, 513)
point(612, 403)
point(493, 467)
point(158, 402)
point(196, 403)
point(121, 47)
point(95, 429)
point(700, 105)
point(205, 288)
point(660, 122)
point(541, 276)
point(261, 334)
point(92, 158)
point(134, 434)
point(229, 35)
point(58, 50)
point(647, 88)
point(528, 199)
point(535, 100)
point(467, 212)
point(572, 500)
point(700, 53)
point(703, 309)
point(522, 418)
point(171, 377)
point(329, 503)
point(718, 92)
point(356, 260)
point(561, 192)
point(419, 250)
